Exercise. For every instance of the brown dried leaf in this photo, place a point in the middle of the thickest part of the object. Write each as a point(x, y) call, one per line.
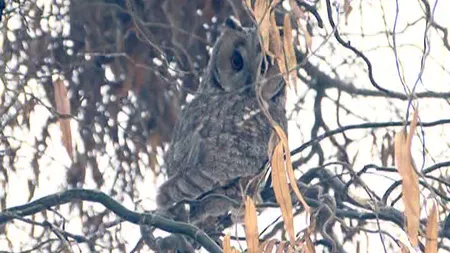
point(262, 16)
point(251, 226)
point(347, 9)
point(274, 3)
point(249, 5)
point(387, 149)
point(281, 247)
point(31, 189)
point(403, 247)
point(273, 142)
point(287, 60)
point(153, 163)
point(308, 246)
point(412, 129)
point(275, 39)
point(289, 46)
point(267, 246)
point(290, 169)
point(308, 38)
point(63, 108)
point(281, 189)
point(280, 167)
point(410, 181)
point(432, 230)
point(226, 244)
point(298, 12)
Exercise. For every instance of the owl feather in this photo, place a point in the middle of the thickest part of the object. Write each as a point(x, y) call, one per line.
point(222, 135)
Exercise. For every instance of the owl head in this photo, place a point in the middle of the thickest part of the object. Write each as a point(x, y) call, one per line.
point(236, 59)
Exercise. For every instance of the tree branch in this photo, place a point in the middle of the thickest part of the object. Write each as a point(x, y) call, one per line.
point(99, 197)
point(326, 82)
point(319, 138)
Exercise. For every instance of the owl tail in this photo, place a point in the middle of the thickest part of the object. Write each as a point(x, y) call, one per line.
point(183, 187)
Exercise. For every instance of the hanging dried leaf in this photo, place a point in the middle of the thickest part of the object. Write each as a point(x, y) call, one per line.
point(432, 230)
point(290, 169)
point(274, 3)
point(300, 15)
point(290, 249)
point(262, 16)
point(347, 9)
point(153, 164)
point(273, 142)
point(226, 244)
point(288, 46)
point(251, 226)
point(308, 246)
point(268, 246)
point(410, 181)
point(280, 167)
point(308, 38)
point(281, 189)
point(403, 247)
point(275, 39)
point(249, 5)
point(287, 60)
point(63, 108)
point(298, 12)
point(31, 189)
point(281, 247)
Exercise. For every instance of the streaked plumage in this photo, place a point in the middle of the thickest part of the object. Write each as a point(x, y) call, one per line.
point(222, 135)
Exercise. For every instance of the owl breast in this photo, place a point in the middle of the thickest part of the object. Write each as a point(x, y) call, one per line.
point(217, 139)
point(222, 135)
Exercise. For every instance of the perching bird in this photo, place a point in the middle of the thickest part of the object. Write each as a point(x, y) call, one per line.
point(222, 136)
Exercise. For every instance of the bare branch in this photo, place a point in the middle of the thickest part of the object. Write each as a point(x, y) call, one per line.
point(99, 197)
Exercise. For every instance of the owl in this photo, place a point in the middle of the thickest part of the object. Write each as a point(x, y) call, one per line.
point(222, 136)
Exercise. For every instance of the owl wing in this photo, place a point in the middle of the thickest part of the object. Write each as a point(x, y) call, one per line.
point(190, 181)
point(217, 140)
point(186, 156)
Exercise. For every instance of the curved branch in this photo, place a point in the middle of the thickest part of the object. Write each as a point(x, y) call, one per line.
point(99, 197)
point(312, 10)
point(326, 82)
point(445, 39)
point(362, 126)
point(356, 51)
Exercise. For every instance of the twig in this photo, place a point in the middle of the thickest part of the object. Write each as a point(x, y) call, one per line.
point(118, 209)
point(356, 51)
point(319, 138)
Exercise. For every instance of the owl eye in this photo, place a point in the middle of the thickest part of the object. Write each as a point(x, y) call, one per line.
point(237, 63)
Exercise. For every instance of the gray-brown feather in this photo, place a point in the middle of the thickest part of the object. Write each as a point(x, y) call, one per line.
point(221, 135)
point(213, 143)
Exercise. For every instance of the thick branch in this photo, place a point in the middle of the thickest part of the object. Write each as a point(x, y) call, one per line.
point(118, 209)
